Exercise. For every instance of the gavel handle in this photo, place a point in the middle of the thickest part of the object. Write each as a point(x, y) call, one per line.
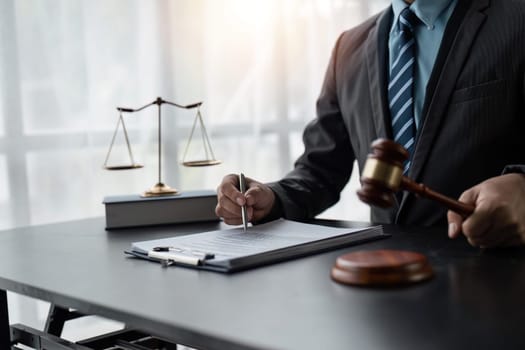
point(461, 208)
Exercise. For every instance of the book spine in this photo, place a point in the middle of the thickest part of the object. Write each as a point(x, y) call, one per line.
point(161, 212)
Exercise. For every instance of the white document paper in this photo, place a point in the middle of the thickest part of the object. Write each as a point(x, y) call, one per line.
point(234, 243)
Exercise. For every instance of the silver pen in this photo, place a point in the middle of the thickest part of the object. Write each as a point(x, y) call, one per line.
point(242, 187)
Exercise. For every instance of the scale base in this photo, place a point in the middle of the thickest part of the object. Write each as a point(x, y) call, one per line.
point(160, 189)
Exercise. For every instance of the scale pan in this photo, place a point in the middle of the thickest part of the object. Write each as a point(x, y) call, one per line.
point(123, 167)
point(197, 163)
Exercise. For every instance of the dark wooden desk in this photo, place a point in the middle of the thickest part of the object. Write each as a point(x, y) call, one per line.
point(474, 301)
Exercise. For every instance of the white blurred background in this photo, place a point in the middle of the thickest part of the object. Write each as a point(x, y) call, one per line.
point(65, 65)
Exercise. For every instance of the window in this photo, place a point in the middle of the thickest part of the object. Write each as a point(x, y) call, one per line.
point(257, 65)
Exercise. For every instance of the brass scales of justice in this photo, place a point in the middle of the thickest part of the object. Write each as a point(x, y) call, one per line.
point(160, 188)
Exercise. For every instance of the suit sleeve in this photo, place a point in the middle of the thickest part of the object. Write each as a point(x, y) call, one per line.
point(324, 168)
point(513, 169)
point(516, 168)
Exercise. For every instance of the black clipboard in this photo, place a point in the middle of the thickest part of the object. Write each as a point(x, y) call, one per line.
point(265, 257)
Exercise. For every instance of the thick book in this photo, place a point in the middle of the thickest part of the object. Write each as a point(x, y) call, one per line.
point(134, 210)
point(232, 250)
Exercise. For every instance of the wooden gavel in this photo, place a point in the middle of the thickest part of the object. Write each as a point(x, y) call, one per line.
point(382, 176)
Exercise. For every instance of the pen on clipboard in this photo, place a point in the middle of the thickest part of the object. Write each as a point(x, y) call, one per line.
point(242, 187)
point(172, 255)
point(204, 255)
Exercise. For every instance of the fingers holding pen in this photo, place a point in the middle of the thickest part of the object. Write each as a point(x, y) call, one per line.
point(230, 200)
point(258, 198)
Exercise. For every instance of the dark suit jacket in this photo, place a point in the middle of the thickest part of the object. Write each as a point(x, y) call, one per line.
point(473, 117)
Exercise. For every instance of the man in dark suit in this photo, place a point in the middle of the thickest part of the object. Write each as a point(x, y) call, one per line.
point(445, 78)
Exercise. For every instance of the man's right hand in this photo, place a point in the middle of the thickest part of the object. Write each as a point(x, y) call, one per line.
point(258, 198)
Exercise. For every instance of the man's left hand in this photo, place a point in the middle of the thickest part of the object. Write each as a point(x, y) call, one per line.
point(499, 214)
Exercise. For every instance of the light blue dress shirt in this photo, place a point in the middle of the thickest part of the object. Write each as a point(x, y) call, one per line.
point(434, 15)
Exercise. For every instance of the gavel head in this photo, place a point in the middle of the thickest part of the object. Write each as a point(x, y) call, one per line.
point(382, 174)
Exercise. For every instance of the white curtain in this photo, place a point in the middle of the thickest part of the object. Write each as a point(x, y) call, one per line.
point(65, 65)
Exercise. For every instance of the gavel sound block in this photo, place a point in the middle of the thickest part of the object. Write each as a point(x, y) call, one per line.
point(381, 268)
point(382, 176)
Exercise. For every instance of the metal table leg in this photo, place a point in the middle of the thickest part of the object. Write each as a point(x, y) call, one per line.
point(57, 317)
point(5, 338)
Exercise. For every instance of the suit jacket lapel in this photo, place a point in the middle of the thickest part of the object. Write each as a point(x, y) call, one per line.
point(443, 79)
point(377, 63)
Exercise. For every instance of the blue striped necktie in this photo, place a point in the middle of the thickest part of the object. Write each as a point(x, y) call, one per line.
point(400, 88)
